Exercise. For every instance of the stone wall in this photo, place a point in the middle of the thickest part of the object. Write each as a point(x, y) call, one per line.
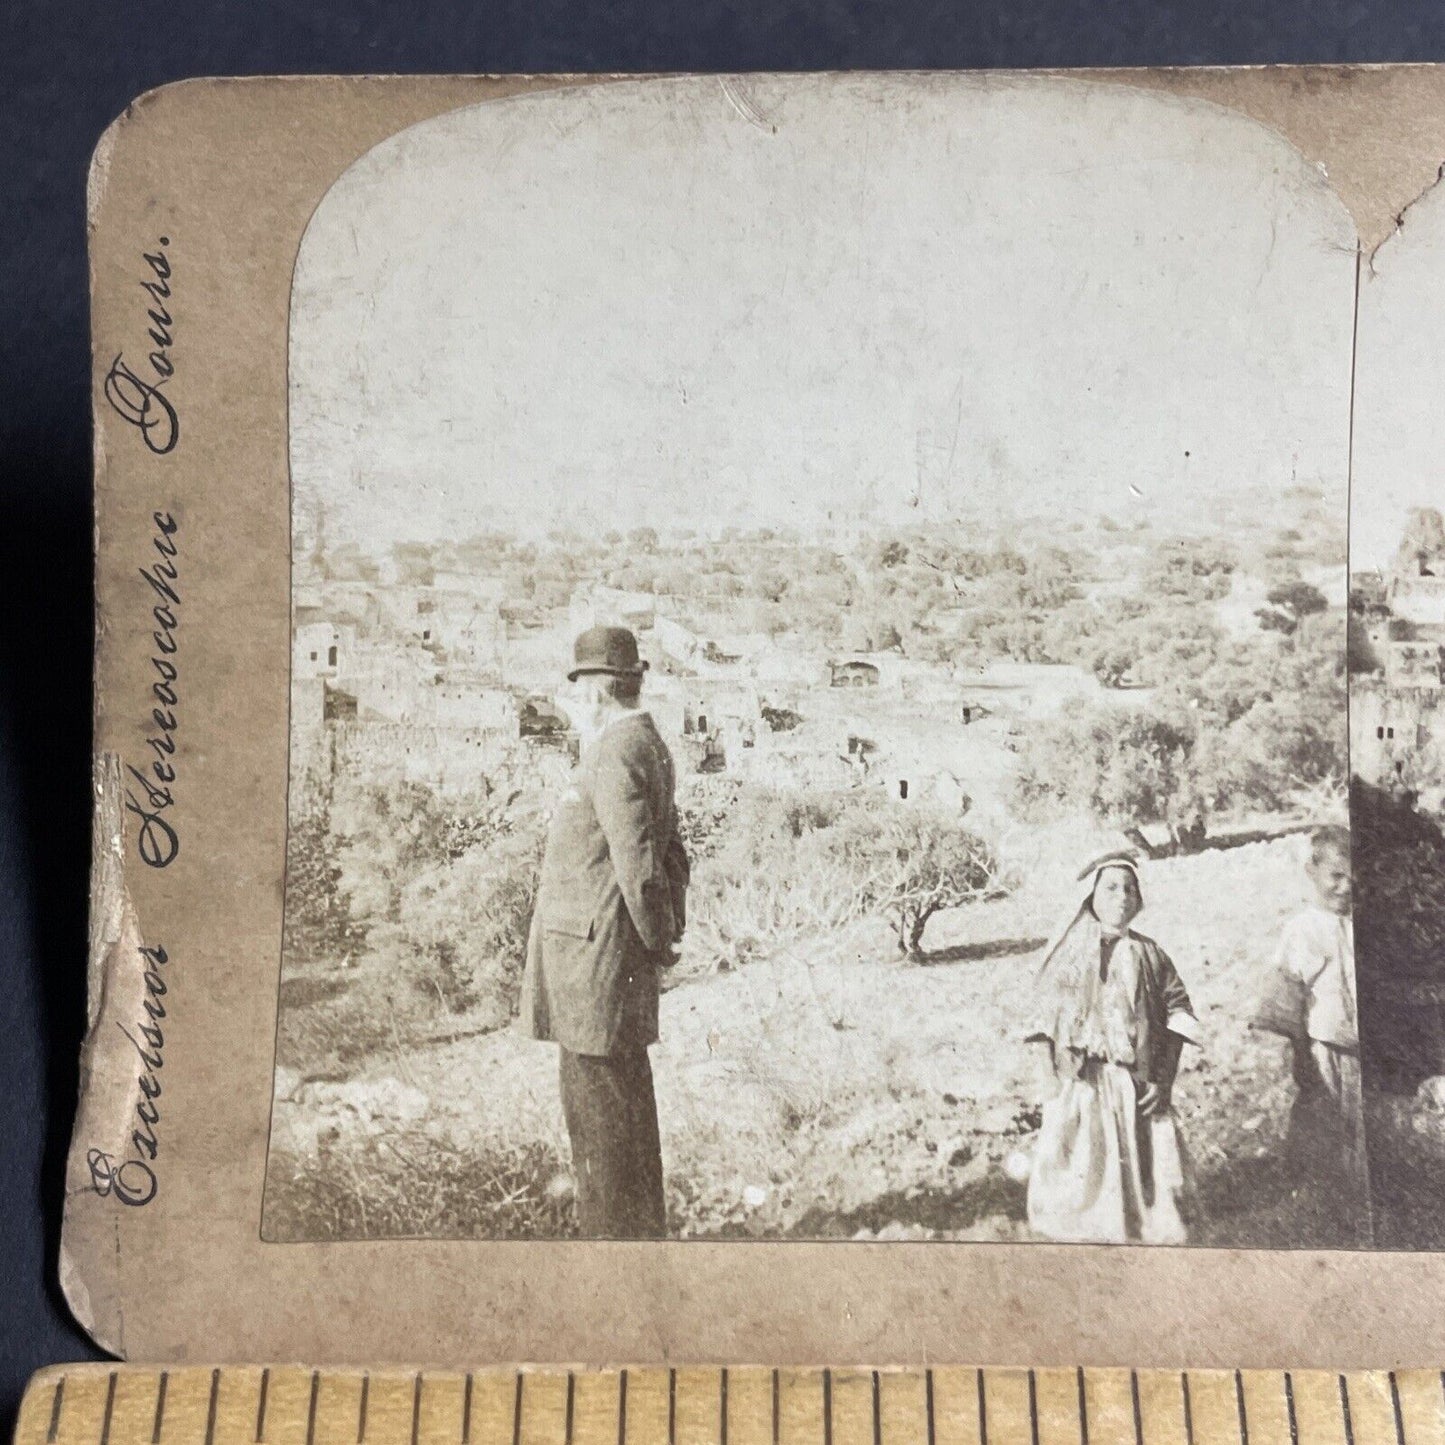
point(452, 760)
point(1397, 737)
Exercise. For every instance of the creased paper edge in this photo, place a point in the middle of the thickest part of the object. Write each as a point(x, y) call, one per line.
point(115, 990)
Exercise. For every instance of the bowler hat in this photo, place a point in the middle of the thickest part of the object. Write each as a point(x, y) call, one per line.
point(610, 650)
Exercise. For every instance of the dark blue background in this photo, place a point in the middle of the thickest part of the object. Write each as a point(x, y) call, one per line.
point(67, 70)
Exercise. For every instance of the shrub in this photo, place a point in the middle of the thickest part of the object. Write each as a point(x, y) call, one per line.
point(1273, 752)
point(797, 864)
point(1194, 568)
point(1399, 886)
point(1399, 908)
point(420, 1188)
point(775, 875)
point(1124, 766)
point(1113, 660)
point(388, 834)
point(704, 811)
point(1289, 604)
point(461, 926)
point(910, 863)
point(318, 925)
point(1246, 724)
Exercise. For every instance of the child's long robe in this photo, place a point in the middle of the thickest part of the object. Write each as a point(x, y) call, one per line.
point(1101, 1171)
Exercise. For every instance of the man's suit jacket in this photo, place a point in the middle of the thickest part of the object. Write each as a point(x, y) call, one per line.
point(610, 903)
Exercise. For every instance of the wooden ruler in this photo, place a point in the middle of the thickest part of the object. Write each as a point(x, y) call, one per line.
point(292, 1405)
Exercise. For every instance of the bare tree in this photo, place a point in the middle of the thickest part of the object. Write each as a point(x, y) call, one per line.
point(916, 862)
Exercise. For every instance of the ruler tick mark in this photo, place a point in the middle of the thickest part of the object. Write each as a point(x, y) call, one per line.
point(311, 1408)
point(109, 1407)
point(55, 1405)
point(160, 1408)
point(129, 1431)
point(63, 1422)
point(261, 1406)
point(211, 1406)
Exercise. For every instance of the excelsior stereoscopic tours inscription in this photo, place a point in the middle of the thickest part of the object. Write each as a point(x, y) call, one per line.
point(818, 697)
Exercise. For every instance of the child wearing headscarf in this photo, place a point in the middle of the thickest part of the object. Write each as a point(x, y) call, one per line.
point(1309, 998)
point(1113, 1018)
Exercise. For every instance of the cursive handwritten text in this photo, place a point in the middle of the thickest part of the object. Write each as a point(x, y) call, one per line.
point(153, 793)
point(132, 1177)
point(136, 394)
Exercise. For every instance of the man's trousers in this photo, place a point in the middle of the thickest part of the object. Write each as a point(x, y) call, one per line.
point(611, 1114)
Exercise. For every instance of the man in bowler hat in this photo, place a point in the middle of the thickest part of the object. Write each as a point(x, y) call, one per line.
point(610, 908)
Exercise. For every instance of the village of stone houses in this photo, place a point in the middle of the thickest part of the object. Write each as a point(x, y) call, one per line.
point(895, 747)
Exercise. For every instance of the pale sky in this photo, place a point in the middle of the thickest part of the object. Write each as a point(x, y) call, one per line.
point(1400, 385)
point(658, 302)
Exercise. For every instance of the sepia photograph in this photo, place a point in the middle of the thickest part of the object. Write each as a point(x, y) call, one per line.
point(1397, 727)
point(824, 647)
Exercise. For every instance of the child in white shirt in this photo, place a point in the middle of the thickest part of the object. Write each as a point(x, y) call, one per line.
point(1310, 1000)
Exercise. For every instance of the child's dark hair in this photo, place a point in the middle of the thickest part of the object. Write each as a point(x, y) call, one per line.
point(1329, 840)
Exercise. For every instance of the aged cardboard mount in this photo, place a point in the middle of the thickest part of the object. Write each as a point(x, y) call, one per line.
point(908, 422)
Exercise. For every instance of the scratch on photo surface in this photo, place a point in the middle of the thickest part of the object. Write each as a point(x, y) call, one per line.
point(1269, 252)
point(741, 102)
